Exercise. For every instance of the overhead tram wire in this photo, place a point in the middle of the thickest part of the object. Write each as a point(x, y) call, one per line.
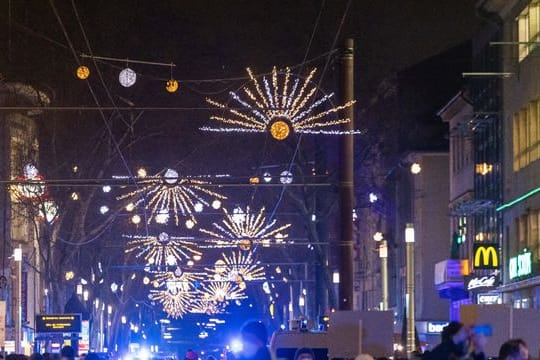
point(94, 96)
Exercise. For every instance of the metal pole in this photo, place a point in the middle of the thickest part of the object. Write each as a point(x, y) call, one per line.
point(17, 256)
point(346, 182)
point(409, 288)
point(383, 254)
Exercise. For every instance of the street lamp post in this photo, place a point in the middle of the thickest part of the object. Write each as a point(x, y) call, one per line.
point(17, 256)
point(383, 254)
point(409, 288)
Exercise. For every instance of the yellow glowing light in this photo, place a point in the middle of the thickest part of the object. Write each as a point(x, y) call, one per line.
point(416, 168)
point(221, 291)
point(83, 72)
point(146, 280)
point(171, 86)
point(280, 130)
point(70, 275)
point(130, 207)
point(281, 105)
point(74, 196)
point(136, 219)
point(141, 172)
point(254, 180)
point(176, 292)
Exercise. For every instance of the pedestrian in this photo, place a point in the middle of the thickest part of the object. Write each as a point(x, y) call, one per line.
point(254, 337)
point(454, 343)
point(191, 355)
point(514, 349)
point(67, 353)
point(36, 356)
point(304, 354)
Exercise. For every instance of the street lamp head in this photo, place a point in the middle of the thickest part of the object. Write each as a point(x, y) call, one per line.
point(416, 168)
point(378, 236)
point(409, 233)
point(335, 277)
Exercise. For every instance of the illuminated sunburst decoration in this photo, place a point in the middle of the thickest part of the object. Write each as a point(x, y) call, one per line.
point(167, 193)
point(280, 105)
point(207, 306)
point(176, 291)
point(222, 292)
point(32, 186)
point(243, 229)
point(239, 268)
point(163, 250)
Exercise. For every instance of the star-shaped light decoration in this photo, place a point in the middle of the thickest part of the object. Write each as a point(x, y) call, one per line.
point(279, 105)
point(163, 250)
point(239, 267)
point(166, 194)
point(243, 229)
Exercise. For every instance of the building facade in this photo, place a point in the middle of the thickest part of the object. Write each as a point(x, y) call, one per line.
point(521, 206)
point(21, 212)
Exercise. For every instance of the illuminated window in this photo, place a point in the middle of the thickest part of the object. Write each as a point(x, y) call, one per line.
point(528, 28)
point(483, 169)
point(526, 136)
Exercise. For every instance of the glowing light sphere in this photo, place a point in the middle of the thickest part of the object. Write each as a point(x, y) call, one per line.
point(198, 207)
point(171, 86)
point(286, 177)
point(280, 105)
point(166, 194)
point(141, 172)
point(216, 204)
point(106, 188)
point(244, 225)
point(238, 267)
point(48, 211)
point(267, 177)
point(74, 196)
point(103, 209)
point(416, 168)
point(190, 224)
point(161, 251)
point(130, 207)
point(83, 72)
point(136, 219)
point(127, 77)
point(280, 130)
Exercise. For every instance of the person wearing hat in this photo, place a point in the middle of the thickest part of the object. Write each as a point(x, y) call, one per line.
point(254, 338)
point(454, 344)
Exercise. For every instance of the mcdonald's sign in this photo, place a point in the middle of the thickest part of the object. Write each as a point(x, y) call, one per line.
point(486, 256)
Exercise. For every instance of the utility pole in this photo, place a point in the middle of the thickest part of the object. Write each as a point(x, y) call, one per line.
point(346, 181)
point(383, 254)
point(409, 288)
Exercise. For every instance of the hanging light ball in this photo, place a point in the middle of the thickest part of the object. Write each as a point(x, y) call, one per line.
point(172, 86)
point(83, 72)
point(244, 244)
point(170, 177)
point(286, 177)
point(280, 130)
point(127, 77)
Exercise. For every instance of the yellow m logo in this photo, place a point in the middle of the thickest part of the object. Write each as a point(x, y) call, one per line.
point(486, 257)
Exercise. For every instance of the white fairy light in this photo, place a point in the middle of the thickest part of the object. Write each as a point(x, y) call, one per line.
point(103, 209)
point(127, 77)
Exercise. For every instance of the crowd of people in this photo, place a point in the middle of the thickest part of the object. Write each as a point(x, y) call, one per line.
point(458, 342)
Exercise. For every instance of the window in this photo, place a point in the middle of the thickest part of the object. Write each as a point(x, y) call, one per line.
point(528, 28)
point(526, 136)
point(528, 232)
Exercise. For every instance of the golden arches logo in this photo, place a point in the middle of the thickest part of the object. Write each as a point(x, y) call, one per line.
point(486, 257)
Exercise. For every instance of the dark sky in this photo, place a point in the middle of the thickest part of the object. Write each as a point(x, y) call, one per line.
point(215, 39)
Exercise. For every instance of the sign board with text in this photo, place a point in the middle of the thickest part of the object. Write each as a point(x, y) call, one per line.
point(58, 323)
point(486, 256)
point(520, 266)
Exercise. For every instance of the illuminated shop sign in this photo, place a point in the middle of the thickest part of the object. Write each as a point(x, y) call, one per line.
point(436, 327)
point(486, 256)
point(482, 282)
point(488, 299)
point(520, 265)
point(61, 323)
